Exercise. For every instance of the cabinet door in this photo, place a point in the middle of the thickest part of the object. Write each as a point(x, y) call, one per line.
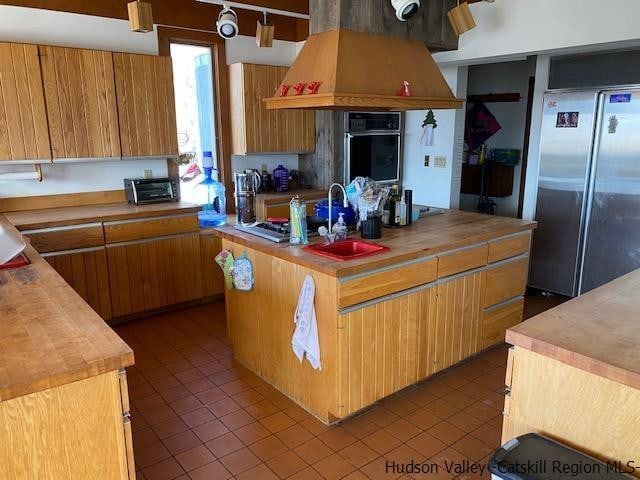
point(385, 347)
point(80, 95)
point(258, 130)
point(146, 105)
point(23, 120)
point(86, 272)
point(212, 277)
point(150, 274)
point(458, 332)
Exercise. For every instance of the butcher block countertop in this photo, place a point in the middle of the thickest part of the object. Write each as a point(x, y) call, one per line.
point(596, 332)
point(49, 336)
point(55, 217)
point(430, 235)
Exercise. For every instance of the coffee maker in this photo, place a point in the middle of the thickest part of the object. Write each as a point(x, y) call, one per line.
point(247, 184)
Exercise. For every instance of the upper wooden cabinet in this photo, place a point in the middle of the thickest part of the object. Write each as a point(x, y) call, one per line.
point(80, 95)
point(23, 119)
point(258, 130)
point(146, 105)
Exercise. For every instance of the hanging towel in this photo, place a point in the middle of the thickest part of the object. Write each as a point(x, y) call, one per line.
point(305, 336)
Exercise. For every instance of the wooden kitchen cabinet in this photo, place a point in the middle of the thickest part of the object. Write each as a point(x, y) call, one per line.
point(459, 319)
point(153, 273)
point(255, 129)
point(146, 105)
point(24, 135)
point(83, 426)
point(87, 273)
point(80, 95)
point(212, 277)
point(385, 347)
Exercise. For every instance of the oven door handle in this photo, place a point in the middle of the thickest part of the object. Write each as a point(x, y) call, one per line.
point(376, 133)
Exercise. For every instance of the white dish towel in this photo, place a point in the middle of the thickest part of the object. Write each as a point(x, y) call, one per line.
point(305, 336)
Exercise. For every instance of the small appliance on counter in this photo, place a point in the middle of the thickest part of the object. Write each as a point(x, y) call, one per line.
point(247, 184)
point(140, 191)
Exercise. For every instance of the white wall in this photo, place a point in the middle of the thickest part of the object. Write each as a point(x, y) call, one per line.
point(507, 77)
point(431, 185)
point(245, 49)
point(516, 27)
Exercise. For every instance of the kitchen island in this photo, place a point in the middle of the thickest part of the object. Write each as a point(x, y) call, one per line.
point(64, 406)
point(448, 287)
point(574, 374)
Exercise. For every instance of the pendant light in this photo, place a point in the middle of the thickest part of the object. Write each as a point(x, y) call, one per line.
point(461, 19)
point(264, 33)
point(140, 16)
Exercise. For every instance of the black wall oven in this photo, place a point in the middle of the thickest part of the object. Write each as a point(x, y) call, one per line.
point(373, 146)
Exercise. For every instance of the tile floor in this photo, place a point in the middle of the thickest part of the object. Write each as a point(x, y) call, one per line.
point(197, 414)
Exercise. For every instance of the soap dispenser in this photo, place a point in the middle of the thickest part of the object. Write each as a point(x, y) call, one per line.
point(340, 228)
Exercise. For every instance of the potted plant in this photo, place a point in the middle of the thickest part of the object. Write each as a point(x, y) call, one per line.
point(428, 126)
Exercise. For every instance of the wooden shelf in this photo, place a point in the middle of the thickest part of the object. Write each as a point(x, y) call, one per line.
point(501, 184)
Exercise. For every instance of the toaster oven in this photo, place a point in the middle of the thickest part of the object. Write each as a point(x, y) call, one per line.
point(151, 190)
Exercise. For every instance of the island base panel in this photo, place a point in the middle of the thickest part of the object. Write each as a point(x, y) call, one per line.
point(576, 407)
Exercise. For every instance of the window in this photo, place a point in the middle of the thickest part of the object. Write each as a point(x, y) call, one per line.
point(195, 111)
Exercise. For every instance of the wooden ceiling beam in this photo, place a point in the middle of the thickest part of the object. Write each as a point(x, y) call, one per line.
point(185, 13)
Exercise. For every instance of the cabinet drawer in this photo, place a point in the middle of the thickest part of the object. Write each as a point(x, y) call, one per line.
point(386, 281)
point(282, 210)
point(462, 260)
point(73, 237)
point(129, 230)
point(509, 247)
point(498, 319)
point(506, 280)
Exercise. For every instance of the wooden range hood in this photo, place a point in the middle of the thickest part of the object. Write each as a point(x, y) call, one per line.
point(360, 71)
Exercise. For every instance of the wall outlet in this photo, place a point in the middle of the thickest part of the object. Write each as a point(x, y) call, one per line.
point(426, 160)
point(148, 173)
point(440, 162)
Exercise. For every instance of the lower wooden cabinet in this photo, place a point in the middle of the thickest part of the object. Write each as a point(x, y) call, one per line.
point(499, 318)
point(212, 277)
point(150, 274)
point(506, 280)
point(68, 432)
point(396, 342)
point(459, 320)
point(87, 273)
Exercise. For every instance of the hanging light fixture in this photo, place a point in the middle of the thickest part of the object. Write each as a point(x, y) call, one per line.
point(461, 19)
point(140, 16)
point(265, 32)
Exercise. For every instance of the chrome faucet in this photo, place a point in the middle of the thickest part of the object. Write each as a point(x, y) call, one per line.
point(329, 234)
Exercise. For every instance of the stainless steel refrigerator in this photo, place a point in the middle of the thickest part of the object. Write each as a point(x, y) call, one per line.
point(588, 206)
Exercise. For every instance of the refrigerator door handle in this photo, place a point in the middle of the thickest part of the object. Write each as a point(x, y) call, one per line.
point(590, 187)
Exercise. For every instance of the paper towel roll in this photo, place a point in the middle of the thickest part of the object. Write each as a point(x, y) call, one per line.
point(20, 176)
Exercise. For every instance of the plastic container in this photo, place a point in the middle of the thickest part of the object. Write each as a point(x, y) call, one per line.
point(210, 194)
point(534, 457)
point(371, 228)
point(322, 210)
point(298, 221)
point(281, 179)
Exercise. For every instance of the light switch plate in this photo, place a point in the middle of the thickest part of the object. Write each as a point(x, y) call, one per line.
point(426, 160)
point(440, 162)
point(148, 173)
